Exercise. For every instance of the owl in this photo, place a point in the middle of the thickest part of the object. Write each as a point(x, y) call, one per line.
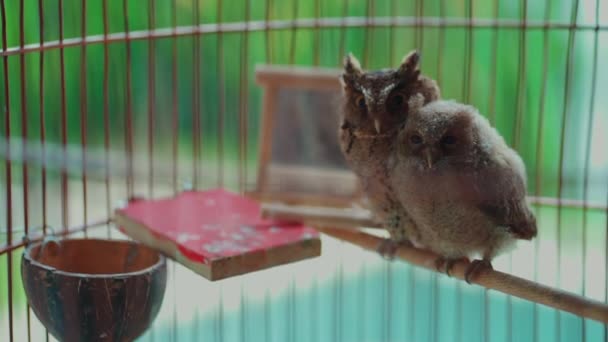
point(375, 104)
point(461, 184)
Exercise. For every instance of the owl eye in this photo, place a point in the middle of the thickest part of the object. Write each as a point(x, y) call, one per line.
point(360, 101)
point(396, 100)
point(448, 140)
point(416, 139)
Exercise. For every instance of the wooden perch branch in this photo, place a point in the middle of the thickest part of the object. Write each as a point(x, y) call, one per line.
point(490, 279)
point(320, 216)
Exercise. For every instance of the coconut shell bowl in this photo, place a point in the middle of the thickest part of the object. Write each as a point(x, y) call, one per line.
point(94, 289)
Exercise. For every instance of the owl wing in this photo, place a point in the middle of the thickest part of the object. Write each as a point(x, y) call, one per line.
point(500, 193)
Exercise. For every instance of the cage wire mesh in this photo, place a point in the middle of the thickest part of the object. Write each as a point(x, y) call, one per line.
point(148, 95)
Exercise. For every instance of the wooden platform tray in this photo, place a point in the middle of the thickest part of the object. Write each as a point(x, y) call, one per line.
point(216, 233)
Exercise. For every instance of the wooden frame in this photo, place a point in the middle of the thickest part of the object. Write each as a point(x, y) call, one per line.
point(292, 182)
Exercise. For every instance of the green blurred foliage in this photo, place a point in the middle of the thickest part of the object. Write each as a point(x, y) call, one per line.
point(513, 92)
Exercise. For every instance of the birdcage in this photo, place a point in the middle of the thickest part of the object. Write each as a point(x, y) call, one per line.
point(107, 103)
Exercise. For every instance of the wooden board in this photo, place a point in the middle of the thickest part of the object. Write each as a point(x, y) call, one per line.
point(216, 233)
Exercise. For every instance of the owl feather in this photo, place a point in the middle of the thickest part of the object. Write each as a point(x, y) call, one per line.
point(461, 184)
point(375, 105)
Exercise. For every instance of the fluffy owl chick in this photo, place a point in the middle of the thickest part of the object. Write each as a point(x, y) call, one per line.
point(375, 105)
point(461, 184)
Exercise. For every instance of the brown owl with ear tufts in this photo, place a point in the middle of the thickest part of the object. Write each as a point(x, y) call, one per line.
point(461, 184)
point(375, 105)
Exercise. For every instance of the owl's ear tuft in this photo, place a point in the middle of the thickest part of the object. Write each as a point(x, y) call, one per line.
point(410, 65)
point(352, 70)
point(352, 67)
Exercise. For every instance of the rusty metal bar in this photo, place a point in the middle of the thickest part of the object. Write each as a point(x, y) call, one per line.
point(24, 131)
point(343, 32)
point(243, 104)
point(494, 61)
point(367, 37)
point(175, 100)
point(196, 102)
point(9, 190)
point(279, 25)
point(221, 96)
point(42, 126)
point(441, 41)
point(71, 230)
point(84, 109)
point(64, 119)
point(151, 98)
point(42, 115)
point(317, 33)
point(391, 33)
point(293, 40)
point(106, 113)
point(564, 118)
point(521, 78)
point(588, 158)
point(128, 109)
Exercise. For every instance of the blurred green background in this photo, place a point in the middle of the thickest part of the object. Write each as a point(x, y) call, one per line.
point(540, 87)
point(516, 79)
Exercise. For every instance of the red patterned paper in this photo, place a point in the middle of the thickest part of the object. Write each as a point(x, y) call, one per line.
point(214, 224)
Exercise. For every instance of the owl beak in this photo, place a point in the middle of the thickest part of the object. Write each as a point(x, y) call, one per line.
point(378, 126)
point(429, 158)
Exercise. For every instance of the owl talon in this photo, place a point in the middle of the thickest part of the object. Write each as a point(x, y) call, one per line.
point(445, 265)
point(475, 267)
point(388, 248)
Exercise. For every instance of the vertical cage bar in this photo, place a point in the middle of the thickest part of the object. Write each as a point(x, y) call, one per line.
point(9, 191)
point(564, 118)
point(388, 288)
point(588, 156)
point(106, 112)
point(41, 115)
point(340, 296)
point(174, 97)
point(362, 289)
point(293, 41)
point(222, 96)
point(24, 131)
point(418, 8)
point(343, 31)
point(521, 76)
point(243, 101)
point(196, 108)
point(441, 41)
point(494, 61)
point(219, 337)
point(151, 97)
point(391, 33)
point(24, 121)
point(317, 35)
point(440, 46)
point(128, 114)
point(366, 37)
point(290, 311)
point(242, 310)
point(268, 43)
point(468, 55)
point(83, 112)
point(540, 143)
point(267, 49)
point(42, 121)
point(64, 132)
point(242, 139)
